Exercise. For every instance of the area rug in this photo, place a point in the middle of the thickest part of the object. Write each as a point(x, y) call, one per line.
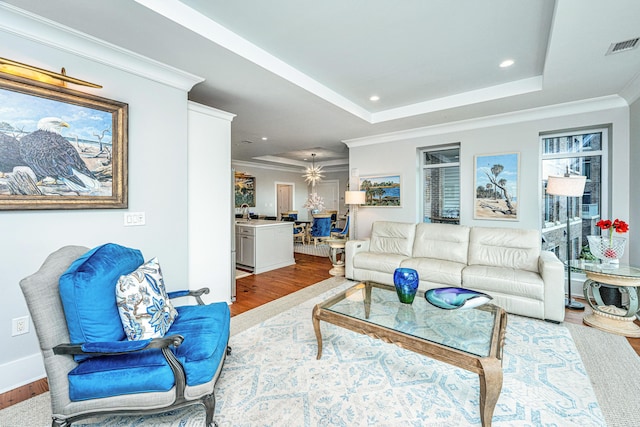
point(273, 379)
point(319, 250)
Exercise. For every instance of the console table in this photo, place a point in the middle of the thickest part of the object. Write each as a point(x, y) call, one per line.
point(608, 317)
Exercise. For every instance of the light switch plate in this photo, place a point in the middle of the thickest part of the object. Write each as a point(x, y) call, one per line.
point(134, 219)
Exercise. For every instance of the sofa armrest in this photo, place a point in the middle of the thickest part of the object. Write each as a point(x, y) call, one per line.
point(352, 248)
point(552, 272)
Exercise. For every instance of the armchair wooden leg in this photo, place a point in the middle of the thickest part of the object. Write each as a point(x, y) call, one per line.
point(56, 422)
point(209, 402)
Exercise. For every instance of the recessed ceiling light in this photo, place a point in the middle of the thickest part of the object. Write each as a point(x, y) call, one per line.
point(374, 98)
point(507, 63)
point(264, 138)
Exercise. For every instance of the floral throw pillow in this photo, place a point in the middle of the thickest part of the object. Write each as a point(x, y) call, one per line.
point(144, 307)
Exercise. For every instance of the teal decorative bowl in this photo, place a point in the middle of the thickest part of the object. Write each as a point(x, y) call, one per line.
point(456, 298)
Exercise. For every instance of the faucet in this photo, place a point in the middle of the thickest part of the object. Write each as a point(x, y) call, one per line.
point(245, 211)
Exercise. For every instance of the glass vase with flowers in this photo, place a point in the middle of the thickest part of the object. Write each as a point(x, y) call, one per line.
point(314, 203)
point(606, 247)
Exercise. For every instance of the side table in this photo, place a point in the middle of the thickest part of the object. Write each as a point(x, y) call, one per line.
point(336, 247)
point(610, 318)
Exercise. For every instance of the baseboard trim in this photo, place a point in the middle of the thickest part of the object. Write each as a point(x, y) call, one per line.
point(20, 372)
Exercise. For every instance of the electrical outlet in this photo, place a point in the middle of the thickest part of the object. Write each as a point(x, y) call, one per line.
point(19, 326)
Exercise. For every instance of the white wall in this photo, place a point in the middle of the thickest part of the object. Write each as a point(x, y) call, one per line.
point(393, 154)
point(634, 179)
point(157, 186)
point(210, 219)
point(266, 179)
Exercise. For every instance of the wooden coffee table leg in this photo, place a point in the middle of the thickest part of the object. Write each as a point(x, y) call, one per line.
point(316, 328)
point(490, 387)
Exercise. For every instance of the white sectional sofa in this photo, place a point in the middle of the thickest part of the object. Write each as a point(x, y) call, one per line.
point(505, 263)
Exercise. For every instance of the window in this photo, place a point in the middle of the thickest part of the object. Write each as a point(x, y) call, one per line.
point(441, 184)
point(581, 153)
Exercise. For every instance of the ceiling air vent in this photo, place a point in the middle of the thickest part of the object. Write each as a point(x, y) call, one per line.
point(623, 46)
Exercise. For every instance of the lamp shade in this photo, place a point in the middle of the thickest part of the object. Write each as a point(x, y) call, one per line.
point(570, 186)
point(354, 198)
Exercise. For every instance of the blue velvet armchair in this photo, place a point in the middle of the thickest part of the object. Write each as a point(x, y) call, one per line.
point(341, 233)
point(92, 368)
point(321, 228)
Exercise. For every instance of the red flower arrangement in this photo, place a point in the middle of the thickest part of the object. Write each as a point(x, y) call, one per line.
point(618, 226)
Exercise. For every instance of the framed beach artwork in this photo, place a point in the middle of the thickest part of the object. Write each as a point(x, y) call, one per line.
point(496, 186)
point(382, 190)
point(60, 148)
point(244, 190)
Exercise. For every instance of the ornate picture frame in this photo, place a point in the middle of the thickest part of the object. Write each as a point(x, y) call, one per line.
point(61, 148)
point(496, 186)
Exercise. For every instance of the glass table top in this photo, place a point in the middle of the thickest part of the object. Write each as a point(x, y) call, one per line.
point(622, 270)
point(469, 330)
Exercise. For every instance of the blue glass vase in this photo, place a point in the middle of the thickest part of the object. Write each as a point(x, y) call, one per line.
point(406, 281)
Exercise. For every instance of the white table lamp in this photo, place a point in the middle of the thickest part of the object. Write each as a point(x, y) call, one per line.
point(353, 199)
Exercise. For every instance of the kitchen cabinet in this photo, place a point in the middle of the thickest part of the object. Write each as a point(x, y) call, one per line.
point(264, 245)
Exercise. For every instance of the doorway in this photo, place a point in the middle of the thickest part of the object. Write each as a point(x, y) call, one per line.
point(329, 190)
point(284, 197)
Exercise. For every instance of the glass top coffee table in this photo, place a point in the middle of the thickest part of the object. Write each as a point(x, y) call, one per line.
point(469, 339)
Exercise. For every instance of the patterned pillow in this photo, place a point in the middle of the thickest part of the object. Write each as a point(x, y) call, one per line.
point(144, 307)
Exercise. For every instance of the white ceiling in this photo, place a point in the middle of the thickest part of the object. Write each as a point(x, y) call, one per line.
point(301, 72)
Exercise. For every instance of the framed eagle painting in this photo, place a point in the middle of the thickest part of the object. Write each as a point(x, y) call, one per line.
point(60, 148)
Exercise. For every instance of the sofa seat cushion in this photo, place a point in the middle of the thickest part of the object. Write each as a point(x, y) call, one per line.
point(205, 329)
point(504, 280)
point(436, 270)
point(386, 263)
point(106, 376)
point(208, 325)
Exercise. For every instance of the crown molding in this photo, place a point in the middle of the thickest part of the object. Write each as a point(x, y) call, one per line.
point(491, 93)
point(557, 110)
point(300, 163)
point(293, 169)
point(210, 111)
point(631, 91)
point(49, 33)
point(242, 163)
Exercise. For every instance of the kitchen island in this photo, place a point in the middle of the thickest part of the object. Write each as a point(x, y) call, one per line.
point(264, 245)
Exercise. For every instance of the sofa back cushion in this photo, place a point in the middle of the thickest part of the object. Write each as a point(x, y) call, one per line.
point(504, 247)
point(446, 242)
point(88, 292)
point(392, 237)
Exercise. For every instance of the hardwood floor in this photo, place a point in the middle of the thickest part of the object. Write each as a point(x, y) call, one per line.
point(255, 290)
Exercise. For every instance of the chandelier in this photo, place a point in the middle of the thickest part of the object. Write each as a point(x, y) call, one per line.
point(313, 174)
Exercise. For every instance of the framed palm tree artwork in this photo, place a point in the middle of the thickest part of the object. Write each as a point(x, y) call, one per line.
point(382, 190)
point(496, 186)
